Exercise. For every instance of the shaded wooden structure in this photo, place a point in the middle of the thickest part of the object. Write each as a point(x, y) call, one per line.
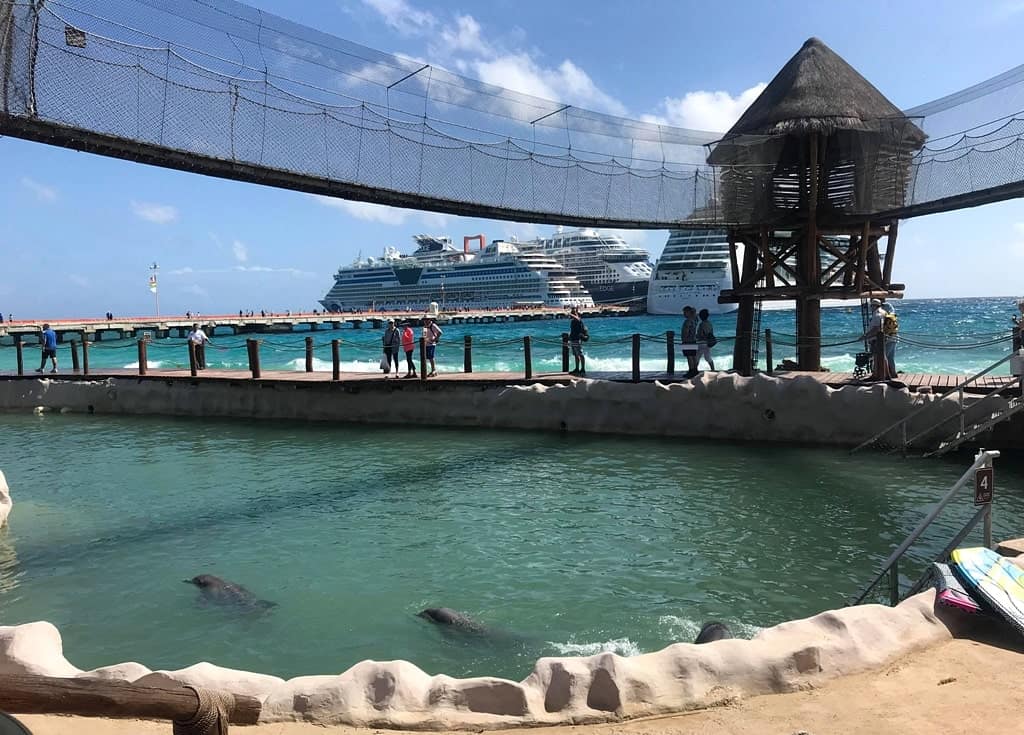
point(806, 166)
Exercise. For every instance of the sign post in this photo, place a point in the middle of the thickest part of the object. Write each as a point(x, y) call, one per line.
point(984, 485)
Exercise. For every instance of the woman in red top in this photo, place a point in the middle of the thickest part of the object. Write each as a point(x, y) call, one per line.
point(408, 342)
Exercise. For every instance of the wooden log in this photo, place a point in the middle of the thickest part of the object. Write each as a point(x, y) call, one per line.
point(636, 358)
point(808, 339)
point(423, 358)
point(890, 252)
point(309, 354)
point(143, 359)
point(733, 262)
point(19, 350)
point(467, 354)
point(862, 256)
point(769, 362)
point(75, 365)
point(43, 695)
point(335, 360)
point(670, 352)
point(193, 362)
point(85, 354)
point(254, 356)
point(565, 352)
point(528, 357)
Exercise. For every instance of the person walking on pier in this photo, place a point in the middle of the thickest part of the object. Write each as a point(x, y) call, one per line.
point(577, 336)
point(705, 339)
point(875, 338)
point(431, 334)
point(890, 333)
point(392, 343)
point(48, 343)
point(408, 343)
point(688, 339)
point(198, 337)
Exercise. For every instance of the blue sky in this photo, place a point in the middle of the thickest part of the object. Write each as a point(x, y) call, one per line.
point(79, 231)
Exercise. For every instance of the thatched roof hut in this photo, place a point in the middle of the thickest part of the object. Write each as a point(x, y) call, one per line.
point(863, 142)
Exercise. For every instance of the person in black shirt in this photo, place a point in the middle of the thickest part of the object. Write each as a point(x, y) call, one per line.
point(577, 335)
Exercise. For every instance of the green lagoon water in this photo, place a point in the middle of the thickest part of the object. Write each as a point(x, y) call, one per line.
point(567, 544)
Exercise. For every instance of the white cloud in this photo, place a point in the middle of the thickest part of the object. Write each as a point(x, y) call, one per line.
point(196, 290)
point(382, 213)
point(403, 17)
point(43, 192)
point(465, 36)
point(78, 280)
point(240, 251)
point(181, 271)
point(265, 269)
point(712, 111)
point(160, 214)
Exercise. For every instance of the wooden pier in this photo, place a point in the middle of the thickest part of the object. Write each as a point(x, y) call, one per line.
point(160, 327)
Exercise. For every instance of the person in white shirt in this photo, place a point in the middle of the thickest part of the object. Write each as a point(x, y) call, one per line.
point(198, 337)
point(431, 334)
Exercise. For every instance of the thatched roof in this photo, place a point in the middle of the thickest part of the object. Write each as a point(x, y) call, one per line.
point(818, 92)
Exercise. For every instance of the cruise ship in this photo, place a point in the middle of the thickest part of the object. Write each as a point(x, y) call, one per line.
point(692, 270)
point(498, 275)
point(612, 270)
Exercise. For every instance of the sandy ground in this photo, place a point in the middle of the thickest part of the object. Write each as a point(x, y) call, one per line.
point(963, 686)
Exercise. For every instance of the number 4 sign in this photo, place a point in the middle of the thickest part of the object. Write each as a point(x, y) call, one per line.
point(984, 486)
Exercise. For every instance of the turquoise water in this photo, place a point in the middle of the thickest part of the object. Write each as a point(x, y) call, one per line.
point(937, 336)
point(564, 544)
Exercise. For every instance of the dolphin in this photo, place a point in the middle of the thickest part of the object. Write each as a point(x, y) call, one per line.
point(713, 631)
point(220, 591)
point(446, 617)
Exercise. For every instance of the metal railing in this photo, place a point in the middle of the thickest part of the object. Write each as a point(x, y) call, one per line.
point(905, 441)
point(891, 566)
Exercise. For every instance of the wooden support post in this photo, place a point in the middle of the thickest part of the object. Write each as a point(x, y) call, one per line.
point(193, 362)
point(335, 360)
point(309, 354)
point(808, 333)
point(467, 354)
point(670, 353)
point(766, 259)
point(636, 358)
point(768, 359)
point(862, 257)
point(890, 252)
point(19, 350)
point(43, 695)
point(254, 356)
point(75, 365)
point(733, 262)
point(742, 353)
point(565, 352)
point(143, 358)
point(85, 354)
point(423, 358)
point(528, 357)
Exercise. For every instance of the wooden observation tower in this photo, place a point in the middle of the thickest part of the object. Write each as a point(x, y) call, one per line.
point(805, 167)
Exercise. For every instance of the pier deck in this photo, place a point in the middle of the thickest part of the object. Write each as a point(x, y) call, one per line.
point(913, 381)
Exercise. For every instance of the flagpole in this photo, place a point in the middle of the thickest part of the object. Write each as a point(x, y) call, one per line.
point(153, 286)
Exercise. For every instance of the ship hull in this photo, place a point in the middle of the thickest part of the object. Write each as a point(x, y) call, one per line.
point(630, 293)
point(697, 290)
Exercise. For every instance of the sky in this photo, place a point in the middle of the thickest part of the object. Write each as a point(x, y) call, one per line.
point(79, 231)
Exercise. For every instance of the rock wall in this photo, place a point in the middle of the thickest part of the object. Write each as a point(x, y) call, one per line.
point(725, 406)
point(791, 656)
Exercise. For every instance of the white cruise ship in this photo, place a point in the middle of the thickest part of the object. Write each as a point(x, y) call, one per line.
point(496, 276)
point(692, 270)
point(612, 270)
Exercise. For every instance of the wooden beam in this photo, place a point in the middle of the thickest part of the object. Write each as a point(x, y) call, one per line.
point(44, 695)
point(890, 251)
point(732, 257)
point(766, 258)
point(788, 293)
point(862, 256)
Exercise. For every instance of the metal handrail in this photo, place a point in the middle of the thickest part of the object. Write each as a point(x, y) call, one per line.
point(983, 459)
point(958, 387)
point(962, 413)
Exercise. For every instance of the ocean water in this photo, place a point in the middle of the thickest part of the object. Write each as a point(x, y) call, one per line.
point(947, 336)
point(561, 544)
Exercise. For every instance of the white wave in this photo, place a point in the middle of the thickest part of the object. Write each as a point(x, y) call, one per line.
point(149, 363)
point(621, 646)
point(684, 630)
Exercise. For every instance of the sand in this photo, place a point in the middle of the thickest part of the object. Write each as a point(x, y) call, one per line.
point(962, 686)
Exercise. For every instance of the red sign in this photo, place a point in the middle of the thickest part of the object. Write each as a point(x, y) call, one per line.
point(984, 486)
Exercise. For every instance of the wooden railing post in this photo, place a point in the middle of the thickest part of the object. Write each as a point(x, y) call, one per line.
point(769, 362)
point(423, 358)
point(193, 364)
point(19, 350)
point(253, 346)
point(74, 356)
point(335, 360)
point(467, 354)
point(527, 357)
point(309, 354)
point(85, 354)
point(143, 358)
point(670, 352)
point(565, 352)
point(636, 358)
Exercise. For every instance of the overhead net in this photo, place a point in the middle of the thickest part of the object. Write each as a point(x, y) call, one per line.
point(222, 82)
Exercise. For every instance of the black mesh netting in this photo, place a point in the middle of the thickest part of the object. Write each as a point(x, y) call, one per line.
point(225, 82)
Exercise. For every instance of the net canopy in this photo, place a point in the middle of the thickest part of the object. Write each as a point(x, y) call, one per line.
point(222, 88)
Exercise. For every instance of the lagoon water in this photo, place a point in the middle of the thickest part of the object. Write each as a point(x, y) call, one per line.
point(564, 544)
point(937, 336)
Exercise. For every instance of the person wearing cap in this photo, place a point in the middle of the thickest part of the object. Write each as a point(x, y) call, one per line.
point(392, 345)
point(876, 342)
point(198, 338)
point(431, 334)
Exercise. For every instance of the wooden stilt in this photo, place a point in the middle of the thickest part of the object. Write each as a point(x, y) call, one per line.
point(742, 355)
point(808, 337)
point(890, 252)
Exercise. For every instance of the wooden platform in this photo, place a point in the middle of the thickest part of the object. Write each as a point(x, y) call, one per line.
point(912, 381)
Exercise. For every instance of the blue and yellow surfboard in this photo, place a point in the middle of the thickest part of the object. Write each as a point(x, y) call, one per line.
point(993, 579)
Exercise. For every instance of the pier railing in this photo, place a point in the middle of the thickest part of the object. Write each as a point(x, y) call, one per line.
point(897, 436)
point(891, 568)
